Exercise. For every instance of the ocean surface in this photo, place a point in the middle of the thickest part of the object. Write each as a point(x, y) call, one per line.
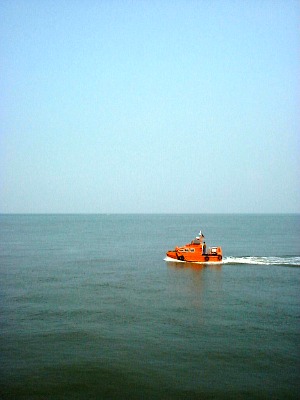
point(90, 309)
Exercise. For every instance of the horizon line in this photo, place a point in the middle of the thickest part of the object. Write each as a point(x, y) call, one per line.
point(152, 213)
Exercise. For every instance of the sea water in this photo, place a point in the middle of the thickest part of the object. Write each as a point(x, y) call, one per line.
point(90, 309)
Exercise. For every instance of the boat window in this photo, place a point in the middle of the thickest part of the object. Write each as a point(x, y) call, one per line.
point(192, 250)
point(186, 249)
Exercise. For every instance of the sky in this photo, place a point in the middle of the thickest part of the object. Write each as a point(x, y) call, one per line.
point(146, 106)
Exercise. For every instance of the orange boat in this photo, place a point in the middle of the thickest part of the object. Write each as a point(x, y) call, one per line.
point(196, 251)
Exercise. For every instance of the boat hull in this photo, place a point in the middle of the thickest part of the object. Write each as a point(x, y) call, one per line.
point(189, 257)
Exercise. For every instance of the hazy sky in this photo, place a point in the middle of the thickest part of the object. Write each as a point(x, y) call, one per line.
point(149, 106)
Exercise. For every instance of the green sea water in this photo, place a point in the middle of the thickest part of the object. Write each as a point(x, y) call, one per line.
point(90, 309)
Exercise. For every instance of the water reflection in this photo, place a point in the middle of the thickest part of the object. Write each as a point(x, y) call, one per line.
point(196, 282)
point(193, 266)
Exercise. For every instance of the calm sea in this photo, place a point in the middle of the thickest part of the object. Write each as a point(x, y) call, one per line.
point(90, 309)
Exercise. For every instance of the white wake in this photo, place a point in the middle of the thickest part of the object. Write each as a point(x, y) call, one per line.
point(287, 261)
point(292, 261)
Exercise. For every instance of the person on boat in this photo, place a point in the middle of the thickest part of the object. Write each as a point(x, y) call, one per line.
point(201, 237)
point(198, 239)
point(204, 248)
